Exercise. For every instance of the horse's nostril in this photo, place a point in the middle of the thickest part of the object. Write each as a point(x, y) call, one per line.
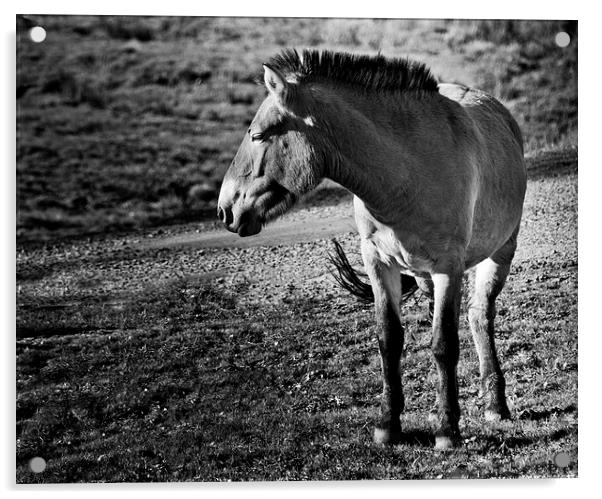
point(225, 215)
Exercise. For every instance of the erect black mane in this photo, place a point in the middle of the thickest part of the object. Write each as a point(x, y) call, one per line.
point(367, 72)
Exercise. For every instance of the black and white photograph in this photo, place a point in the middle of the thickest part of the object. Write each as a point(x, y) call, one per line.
point(264, 249)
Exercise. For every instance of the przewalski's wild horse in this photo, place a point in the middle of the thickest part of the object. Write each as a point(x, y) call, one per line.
point(438, 175)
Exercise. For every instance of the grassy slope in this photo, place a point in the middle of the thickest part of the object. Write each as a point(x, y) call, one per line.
point(127, 378)
point(129, 122)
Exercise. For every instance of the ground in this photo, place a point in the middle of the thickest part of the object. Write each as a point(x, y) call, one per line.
point(153, 346)
point(187, 353)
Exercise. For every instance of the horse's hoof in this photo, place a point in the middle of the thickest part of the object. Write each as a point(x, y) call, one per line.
point(386, 437)
point(445, 443)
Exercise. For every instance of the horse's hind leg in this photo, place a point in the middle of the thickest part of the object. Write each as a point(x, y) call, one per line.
point(489, 278)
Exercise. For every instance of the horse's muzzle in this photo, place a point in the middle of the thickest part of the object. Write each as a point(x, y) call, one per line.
point(246, 225)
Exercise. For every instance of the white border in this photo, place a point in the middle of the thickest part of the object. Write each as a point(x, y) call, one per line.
point(471, 9)
point(589, 228)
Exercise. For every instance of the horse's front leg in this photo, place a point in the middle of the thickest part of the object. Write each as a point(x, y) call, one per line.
point(386, 285)
point(446, 350)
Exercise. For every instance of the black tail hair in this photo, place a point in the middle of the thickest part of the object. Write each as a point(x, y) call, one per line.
point(352, 280)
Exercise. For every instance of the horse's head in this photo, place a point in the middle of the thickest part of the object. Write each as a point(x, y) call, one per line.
point(277, 162)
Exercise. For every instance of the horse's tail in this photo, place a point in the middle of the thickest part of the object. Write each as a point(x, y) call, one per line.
point(347, 277)
point(352, 280)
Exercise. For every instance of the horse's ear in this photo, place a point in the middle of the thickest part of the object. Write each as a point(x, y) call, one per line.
point(275, 83)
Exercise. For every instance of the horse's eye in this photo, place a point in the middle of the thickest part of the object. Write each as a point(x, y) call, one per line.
point(257, 136)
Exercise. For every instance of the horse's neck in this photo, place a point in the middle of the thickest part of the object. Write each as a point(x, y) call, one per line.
point(375, 160)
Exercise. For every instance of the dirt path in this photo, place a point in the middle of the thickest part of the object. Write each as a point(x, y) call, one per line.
point(280, 232)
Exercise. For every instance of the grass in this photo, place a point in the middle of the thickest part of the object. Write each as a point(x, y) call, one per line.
point(183, 384)
point(129, 122)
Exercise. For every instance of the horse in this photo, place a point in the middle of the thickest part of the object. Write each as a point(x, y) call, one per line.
point(438, 176)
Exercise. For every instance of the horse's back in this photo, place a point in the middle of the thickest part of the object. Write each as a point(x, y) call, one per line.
point(497, 144)
point(483, 108)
